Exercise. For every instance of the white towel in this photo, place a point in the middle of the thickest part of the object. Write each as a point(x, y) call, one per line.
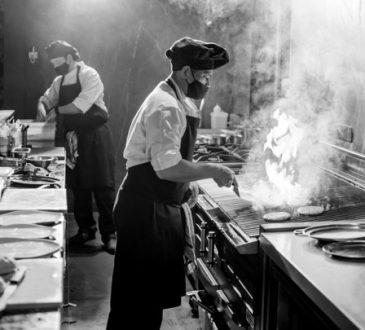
point(71, 149)
point(189, 250)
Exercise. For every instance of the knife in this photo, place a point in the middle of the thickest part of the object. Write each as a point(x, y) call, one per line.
point(235, 187)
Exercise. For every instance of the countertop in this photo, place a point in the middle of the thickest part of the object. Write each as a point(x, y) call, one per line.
point(47, 314)
point(336, 286)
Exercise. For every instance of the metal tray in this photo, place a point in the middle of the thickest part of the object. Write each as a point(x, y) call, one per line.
point(28, 231)
point(346, 249)
point(334, 232)
point(30, 217)
point(28, 248)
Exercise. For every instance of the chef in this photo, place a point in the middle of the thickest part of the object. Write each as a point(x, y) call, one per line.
point(75, 101)
point(148, 270)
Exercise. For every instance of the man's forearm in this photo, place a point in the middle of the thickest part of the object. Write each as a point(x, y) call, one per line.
point(69, 109)
point(186, 171)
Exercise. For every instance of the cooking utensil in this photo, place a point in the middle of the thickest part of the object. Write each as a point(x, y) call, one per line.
point(334, 232)
point(33, 180)
point(21, 152)
point(40, 161)
point(346, 249)
point(235, 187)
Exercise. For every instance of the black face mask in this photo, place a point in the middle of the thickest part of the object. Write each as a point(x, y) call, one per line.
point(62, 69)
point(196, 90)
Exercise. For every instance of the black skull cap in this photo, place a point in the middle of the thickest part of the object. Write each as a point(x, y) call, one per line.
point(197, 54)
point(61, 48)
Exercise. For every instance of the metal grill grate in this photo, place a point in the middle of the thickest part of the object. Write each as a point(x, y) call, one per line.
point(341, 202)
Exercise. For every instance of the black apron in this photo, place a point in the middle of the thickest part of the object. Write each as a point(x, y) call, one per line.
point(95, 163)
point(151, 234)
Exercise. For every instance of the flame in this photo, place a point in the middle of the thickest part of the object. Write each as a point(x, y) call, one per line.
point(281, 149)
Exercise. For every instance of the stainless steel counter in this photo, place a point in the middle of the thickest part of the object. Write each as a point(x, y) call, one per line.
point(44, 317)
point(336, 286)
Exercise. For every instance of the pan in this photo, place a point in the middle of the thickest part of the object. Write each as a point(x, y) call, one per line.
point(33, 180)
point(334, 232)
point(347, 249)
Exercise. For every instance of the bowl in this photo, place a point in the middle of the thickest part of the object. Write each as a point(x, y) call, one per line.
point(21, 152)
point(40, 161)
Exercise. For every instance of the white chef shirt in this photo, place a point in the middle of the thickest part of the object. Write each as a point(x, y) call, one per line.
point(92, 89)
point(157, 128)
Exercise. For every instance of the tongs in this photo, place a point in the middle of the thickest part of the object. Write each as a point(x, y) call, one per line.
point(236, 187)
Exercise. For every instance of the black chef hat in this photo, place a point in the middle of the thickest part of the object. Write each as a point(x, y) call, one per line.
point(60, 48)
point(197, 54)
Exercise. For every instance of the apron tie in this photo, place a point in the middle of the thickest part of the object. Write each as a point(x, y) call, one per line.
point(71, 149)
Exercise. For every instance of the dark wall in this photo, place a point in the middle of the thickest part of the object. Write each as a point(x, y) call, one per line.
point(125, 41)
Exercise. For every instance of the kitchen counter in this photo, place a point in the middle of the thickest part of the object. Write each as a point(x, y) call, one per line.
point(336, 287)
point(32, 306)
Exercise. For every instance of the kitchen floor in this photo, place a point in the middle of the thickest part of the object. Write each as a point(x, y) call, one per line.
point(88, 287)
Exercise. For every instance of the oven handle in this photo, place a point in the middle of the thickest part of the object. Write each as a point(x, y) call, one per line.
point(208, 276)
point(211, 238)
point(214, 313)
point(203, 229)
point(228, 305)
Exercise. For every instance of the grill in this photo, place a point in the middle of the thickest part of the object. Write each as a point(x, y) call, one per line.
point(341, 202)
point(227, 230)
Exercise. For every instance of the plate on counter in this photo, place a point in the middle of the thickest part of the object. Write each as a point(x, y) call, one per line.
point(30, 217)
point(28, 231)
point(33, 180)
point(334, 232)
point(347, 249)
point(19, 248)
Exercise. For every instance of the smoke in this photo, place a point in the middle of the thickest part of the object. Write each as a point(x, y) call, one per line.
point(324, 87)
point(211, 10)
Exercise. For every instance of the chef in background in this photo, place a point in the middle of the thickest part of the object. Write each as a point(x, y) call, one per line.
point(75, 101)
point(149, 270)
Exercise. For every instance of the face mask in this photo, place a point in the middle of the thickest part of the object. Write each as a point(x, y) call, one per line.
point(62, 69)
point(196, 90)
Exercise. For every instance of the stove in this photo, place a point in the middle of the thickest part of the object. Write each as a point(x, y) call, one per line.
point(227, 230)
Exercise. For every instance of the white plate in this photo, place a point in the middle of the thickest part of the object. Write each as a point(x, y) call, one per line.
point(27, 248)
point(30, 217)
point(26, 231)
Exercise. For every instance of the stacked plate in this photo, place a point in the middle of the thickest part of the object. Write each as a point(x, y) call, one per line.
point(24, 234)
point(347, 239)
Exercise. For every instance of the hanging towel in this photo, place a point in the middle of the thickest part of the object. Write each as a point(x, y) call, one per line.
point(71, 149)
point(189, 250)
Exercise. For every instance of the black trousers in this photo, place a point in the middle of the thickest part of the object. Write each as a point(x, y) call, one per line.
point(83, 210)
point(143, 316)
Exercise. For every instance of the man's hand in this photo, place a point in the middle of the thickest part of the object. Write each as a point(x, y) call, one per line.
point(41, 112)
point(51, 116)
point(224, 176)
point(194, 190)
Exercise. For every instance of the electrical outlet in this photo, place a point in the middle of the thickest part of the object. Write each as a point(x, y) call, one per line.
point(345, 133)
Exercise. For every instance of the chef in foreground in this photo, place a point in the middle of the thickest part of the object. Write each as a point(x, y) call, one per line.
point(149, 269)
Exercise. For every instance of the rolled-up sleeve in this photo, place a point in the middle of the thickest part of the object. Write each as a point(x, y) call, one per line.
point(164, 129)
point(91, 89)
point(51, 95)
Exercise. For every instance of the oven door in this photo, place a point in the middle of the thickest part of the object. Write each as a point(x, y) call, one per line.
point(218, 303)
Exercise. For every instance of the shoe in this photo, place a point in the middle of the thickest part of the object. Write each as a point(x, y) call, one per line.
point(81, 237)
point(110, 245)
